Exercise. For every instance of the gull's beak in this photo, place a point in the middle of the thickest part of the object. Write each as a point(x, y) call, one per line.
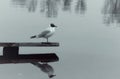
point(56, 26)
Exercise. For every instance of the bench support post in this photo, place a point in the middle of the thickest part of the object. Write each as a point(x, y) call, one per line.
point(10, 51)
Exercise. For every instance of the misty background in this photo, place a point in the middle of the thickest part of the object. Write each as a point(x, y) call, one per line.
point(88, 33)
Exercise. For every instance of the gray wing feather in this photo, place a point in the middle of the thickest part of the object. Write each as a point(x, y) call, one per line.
point(44, 33)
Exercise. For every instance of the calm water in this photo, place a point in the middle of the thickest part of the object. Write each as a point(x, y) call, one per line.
point(88, 32)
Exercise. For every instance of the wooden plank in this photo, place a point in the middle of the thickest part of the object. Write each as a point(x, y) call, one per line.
point(7, 51)
point(29, 44)
point(28, 58)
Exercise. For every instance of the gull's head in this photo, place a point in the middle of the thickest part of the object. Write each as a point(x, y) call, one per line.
point(52, 25)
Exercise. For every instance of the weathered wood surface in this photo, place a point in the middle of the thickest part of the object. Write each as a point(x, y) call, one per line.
point(28, 44)
point(28, 58)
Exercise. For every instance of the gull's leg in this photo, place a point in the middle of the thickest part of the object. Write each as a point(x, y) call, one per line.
point(47, 40)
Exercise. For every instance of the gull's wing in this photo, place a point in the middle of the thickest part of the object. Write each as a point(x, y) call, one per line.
point(44, 33)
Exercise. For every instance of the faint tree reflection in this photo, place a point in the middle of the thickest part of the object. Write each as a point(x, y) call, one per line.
point(50, 7)
point(67, 5)
point(80, 6)
point(111, 11)
point(29, 4)
point(22, 3)
point(32, 5)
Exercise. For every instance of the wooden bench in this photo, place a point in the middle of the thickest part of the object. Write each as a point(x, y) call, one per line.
point(11, 52)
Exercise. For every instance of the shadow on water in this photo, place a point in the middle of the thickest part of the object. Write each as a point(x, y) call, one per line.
point(111, 11)
point(51, 7)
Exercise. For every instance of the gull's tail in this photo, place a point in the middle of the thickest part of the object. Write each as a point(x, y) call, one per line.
point(33, 36)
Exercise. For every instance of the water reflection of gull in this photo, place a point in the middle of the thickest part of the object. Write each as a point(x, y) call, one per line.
point(46, 68)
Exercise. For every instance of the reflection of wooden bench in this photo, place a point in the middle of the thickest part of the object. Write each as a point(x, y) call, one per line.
point(11, 53)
